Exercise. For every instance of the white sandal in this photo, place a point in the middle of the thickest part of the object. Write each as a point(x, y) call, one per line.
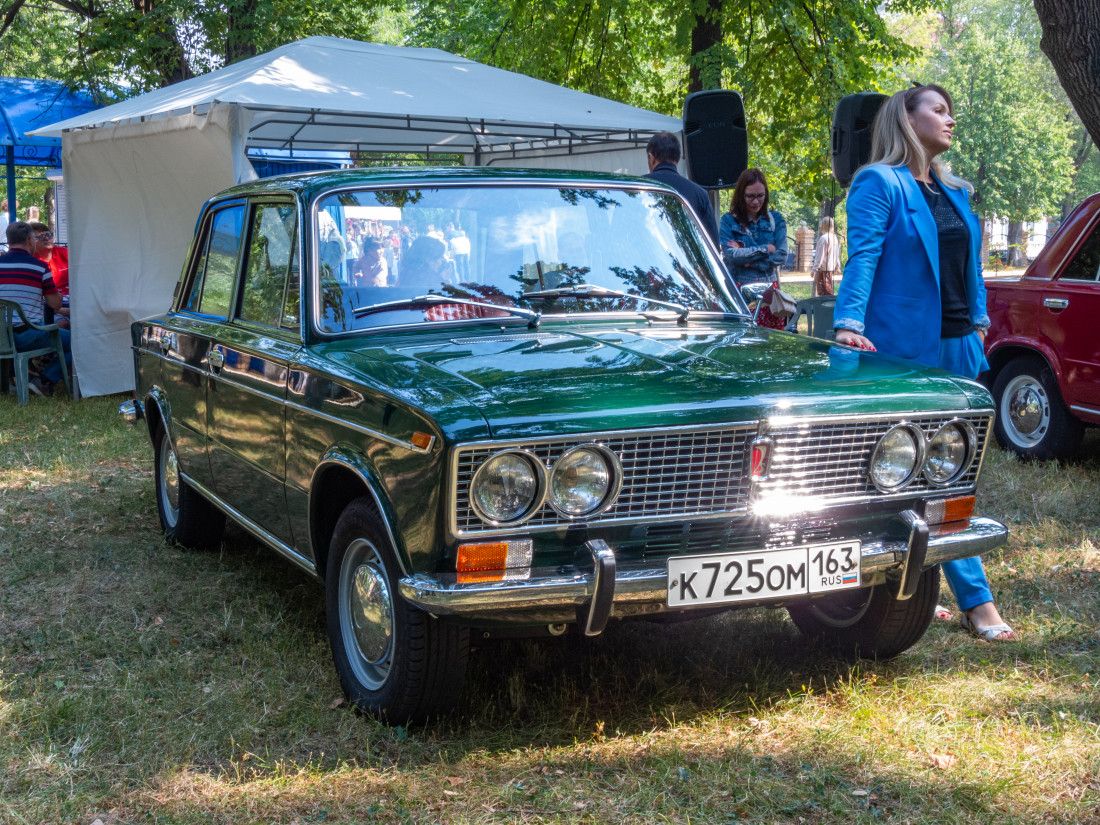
point(992, 633)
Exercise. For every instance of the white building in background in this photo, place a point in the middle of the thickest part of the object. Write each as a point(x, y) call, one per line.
point(1038, 232)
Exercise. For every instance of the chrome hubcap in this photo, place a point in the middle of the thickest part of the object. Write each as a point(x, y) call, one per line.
point(366, 614)
point(1026, 410)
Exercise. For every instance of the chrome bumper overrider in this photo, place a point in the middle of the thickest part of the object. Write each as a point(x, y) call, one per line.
point(131, 411)
point(594, 589)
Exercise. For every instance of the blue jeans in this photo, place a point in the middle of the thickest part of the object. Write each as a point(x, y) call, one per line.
point(36, 339)
point(965, 577)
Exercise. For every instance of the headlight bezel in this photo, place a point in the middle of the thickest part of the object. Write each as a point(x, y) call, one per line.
point(970, 435)
point(915, 471)
point(615, 481)
point(541, 477)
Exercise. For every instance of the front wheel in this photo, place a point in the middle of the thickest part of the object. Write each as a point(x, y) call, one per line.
point(394, 660)
point(870, 622)
point(1032, 418)
point(186, 518)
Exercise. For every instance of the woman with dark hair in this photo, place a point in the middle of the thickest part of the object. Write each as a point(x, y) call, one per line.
point(913, 286)
point(752, 236)
point(425, 264)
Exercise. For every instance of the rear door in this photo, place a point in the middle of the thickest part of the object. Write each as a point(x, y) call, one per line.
point(247, 409)
point(185, 340)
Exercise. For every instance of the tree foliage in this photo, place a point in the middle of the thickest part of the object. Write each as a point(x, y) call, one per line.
point(791, 59)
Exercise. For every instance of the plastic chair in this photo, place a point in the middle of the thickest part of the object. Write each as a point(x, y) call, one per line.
point(819, 317)
point(11, 315)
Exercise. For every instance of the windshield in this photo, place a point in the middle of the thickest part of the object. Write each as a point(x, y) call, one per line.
point(498, 246)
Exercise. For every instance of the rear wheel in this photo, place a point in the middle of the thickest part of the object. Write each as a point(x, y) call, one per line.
point(186, 518)
point(394, 660)
point(870, 622)
point(1032, 419)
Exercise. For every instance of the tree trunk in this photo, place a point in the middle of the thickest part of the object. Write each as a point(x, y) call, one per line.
point(1016, 241)
point(240, 42)
point(1071, 39)
point(706, 70)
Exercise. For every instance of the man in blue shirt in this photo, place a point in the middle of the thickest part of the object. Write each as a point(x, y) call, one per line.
point(663, 153)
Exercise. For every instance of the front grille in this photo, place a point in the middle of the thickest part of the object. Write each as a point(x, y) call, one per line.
point(683, 474)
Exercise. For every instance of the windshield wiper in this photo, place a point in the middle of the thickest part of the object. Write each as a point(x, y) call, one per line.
point(594, 291)
point(431, 300)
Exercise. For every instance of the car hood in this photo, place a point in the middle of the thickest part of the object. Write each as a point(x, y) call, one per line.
point(593, 378)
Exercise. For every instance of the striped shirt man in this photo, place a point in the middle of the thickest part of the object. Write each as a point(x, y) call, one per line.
point(26, 280)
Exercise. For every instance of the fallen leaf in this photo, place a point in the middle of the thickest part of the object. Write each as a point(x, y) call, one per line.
point(337, 702)
point(943, 761)
point(451, 793)
point(158, 621)
point(456, 780)
point(860, 792)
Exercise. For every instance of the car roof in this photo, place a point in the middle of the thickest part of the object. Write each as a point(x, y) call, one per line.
point(308, 184)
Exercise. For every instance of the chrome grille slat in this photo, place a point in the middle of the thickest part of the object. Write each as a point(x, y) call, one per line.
point(699, 473)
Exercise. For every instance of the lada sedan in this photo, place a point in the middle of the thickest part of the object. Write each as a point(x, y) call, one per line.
point(507, 402)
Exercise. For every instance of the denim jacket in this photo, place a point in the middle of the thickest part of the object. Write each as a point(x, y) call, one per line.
point(745, 248)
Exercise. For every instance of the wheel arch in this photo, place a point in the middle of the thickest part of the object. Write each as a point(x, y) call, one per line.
point(156, 412)
point(341, 476)
point(1004, 354)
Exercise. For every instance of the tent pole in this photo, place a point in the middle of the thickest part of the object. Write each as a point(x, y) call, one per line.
point(10, 163)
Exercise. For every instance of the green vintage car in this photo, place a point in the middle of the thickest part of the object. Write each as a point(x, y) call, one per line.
point(480, 403)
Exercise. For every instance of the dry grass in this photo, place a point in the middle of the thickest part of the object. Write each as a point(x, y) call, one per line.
point(142, 683)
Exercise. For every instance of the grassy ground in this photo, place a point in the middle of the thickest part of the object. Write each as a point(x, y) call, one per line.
point(142, 683)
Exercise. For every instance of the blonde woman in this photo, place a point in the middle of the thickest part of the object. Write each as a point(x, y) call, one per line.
point(826, 258)
point(913, 286)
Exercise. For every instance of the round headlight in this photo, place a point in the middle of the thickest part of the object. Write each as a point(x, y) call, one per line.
point(897, 457)
point(584, 481)
point(507, 487)
point(949, 452)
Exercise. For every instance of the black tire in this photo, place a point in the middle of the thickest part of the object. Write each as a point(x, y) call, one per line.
point(870, 622)
point(186, 518)
point(1032, 419)
point(394, 660)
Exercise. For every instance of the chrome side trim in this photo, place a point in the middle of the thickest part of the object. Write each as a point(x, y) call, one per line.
point(359, 428)
point(1083, 409)
point(570, 588)
point(252, 527)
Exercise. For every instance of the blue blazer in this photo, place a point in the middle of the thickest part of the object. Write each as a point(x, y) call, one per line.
point(891, 287)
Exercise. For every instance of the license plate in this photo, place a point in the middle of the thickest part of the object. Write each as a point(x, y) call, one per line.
point(765, 574)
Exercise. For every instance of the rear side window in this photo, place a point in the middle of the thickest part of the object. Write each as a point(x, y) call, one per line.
point(216, 271)
point(270, 268)
point(1085, 265)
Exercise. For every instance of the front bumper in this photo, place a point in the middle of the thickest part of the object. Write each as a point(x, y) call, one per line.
point(591, 592)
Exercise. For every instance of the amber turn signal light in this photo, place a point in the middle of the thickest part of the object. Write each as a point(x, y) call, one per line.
point(493, 561)
point(949, 509)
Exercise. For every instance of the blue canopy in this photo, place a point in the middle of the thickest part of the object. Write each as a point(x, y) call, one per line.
point(27, 104)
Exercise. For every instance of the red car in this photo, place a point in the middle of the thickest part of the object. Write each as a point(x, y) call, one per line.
point(1043, 345)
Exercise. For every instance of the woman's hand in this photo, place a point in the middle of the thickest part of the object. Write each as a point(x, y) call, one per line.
point(851, 339)
point(771, 248)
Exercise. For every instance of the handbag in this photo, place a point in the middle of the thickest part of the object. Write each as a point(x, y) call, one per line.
point(781, 304)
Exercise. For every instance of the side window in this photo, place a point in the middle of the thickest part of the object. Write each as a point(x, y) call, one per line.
point(1085, 265)
point(271, 252)
point(217, 268)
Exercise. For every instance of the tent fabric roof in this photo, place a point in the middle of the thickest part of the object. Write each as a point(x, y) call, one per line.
point(332, 93)
point(27, 104)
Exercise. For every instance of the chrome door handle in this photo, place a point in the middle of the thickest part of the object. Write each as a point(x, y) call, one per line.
point(1055, 303)
point(215, 358)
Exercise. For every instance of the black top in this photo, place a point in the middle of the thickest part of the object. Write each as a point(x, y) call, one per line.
point(693, 193)
point(954, 250)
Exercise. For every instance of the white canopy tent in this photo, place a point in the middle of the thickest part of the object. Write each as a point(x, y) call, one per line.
point(137, 172)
